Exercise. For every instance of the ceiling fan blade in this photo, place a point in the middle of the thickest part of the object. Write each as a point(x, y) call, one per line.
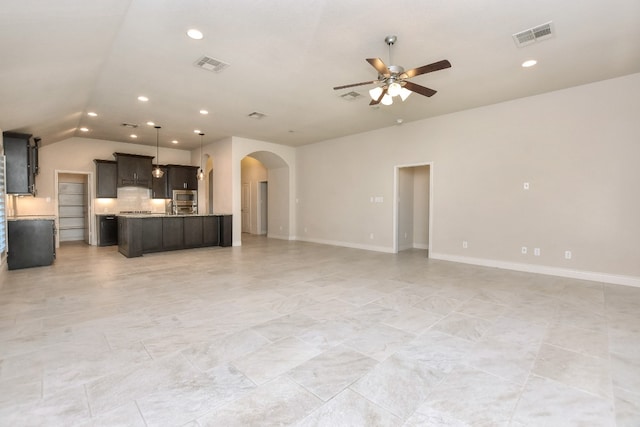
point(440, 65)
point(355, 84)
point(377, 101)
point(379, 65)
point(419, 89)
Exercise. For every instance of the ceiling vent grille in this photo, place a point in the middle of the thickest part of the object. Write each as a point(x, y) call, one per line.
point(350, 96)
point(210, 64)
point(535, 34)
point(129, 125)
point(256, 115)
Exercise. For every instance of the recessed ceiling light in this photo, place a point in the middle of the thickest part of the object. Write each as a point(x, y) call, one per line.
point(84, 129)
point(175, 141)
point(133, 135)
point(195, 34)
point(92, 114)
point(204, 112)
point(529, 63)
point(196, 131)
point(143, 98)
point(151, 123)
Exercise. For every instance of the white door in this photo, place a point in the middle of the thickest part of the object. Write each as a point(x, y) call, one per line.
point(245, 209)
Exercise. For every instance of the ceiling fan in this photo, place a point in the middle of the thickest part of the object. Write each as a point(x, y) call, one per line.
point(394, 79)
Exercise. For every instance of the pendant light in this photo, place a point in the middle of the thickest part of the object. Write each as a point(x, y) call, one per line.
point(157, 172)
point(201, 173)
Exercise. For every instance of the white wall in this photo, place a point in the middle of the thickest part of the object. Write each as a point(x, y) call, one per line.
point(578, 148)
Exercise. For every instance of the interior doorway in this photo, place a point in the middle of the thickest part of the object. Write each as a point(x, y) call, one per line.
point(413, 207)
point(73, 199)
point(263, 208)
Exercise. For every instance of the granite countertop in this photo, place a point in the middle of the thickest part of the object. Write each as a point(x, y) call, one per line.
point(164, 215)
point(31, 217)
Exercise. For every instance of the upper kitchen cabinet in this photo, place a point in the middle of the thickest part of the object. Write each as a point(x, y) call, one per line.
point(159, 185)
point(22, 163)
point(182, 177)
point(106, 179)
point(134, 170)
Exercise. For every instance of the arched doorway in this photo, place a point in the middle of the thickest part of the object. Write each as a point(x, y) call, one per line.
point(264, 195)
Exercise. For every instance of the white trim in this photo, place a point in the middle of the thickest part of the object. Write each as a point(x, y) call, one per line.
point(541, 269)
point(420, 246)
point(384, 249)
point(278, 236)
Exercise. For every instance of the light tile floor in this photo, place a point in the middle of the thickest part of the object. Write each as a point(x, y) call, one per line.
point(291, 333)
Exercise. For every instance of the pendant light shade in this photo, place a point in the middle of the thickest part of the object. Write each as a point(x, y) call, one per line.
point(157, 172)
point(201, 172)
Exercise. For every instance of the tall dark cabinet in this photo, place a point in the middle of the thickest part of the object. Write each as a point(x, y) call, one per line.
point(22, 163)
point(106, 179)
point(31, 243)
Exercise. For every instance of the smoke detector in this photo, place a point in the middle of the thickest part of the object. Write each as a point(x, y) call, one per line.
point(535, 34)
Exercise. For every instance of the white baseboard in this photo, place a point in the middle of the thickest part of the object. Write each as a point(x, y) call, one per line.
point(541, 269)
point(421, 246)
point(346, 244)
point(279, 236)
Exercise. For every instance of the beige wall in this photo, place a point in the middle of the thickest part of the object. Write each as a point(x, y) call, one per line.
point(577, 148)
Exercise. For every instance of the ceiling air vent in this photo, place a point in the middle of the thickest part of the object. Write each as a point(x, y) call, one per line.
point(129, 125)
point(211, 64)
point(256, 115)
point(350, 96)
point(535, 34)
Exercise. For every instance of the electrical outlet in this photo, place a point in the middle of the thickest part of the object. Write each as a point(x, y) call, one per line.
point(524, 250)
point(371, 236)
point(567, 255)
point(536, 251)
point(465, 244)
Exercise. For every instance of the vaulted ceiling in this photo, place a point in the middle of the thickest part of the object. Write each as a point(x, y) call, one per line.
point(61, 59)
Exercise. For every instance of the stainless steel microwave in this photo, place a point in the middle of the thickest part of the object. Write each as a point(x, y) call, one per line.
point(185, 197)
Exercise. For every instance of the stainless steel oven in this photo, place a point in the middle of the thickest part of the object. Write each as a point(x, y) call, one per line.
point(185, 202)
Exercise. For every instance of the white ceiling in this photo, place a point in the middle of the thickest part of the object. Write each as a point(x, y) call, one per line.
point(60, 59)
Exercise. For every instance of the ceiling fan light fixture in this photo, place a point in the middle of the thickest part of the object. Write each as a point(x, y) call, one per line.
point(404, 93)
point(387, 100)
point(394, 89)
point(375, 93)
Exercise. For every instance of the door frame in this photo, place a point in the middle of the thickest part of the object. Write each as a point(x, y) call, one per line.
point(263, 208)
point(396, 189)
point(90, 196)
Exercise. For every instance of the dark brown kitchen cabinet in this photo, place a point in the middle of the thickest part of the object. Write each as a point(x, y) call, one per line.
point(31, 243)
point(151, 234)
point(134, 170)
point(225, 230)
point(193, 236)
point(159, 186)
point(138, 235)
point(172, 233)
point(21, 163)
point(182, 177)
point(210, 230)
point(106, 179)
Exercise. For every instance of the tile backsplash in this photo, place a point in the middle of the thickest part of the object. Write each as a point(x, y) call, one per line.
point(130, 199)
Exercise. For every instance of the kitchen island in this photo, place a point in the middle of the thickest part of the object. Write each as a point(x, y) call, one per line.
point(139, 234)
